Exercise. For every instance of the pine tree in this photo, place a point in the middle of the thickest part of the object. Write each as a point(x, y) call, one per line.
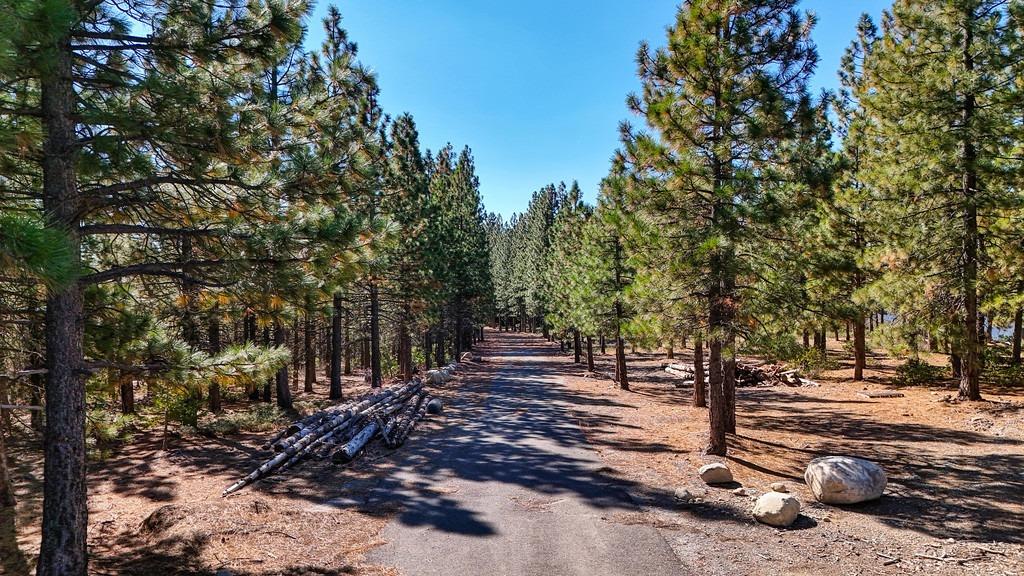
point(561, 297)
point(107, 102)
point(719, 98)
point(943, 93)
point(608, 272)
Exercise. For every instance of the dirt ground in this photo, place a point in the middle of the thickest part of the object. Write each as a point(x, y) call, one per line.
point(154, 511)
point(954, 502)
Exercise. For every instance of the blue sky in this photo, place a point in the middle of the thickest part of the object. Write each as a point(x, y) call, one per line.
point(536, 88)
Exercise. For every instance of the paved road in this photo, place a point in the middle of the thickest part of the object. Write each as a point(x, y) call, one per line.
point(515, 490)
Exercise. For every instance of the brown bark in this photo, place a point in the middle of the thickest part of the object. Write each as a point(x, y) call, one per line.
point(336, 348)
point(716, 413)
point(621, 373)
point(297, 356)
point(215, 348)
point(859, 348)
point(699, 392)
point(970, 378)
point(1017, 329)
point(268, 385)
point(577, 350)
point(65, 517)
point(590, 354)
point(348, 343)
point(127, 393)
point(284, 394)
point(7, 498)
point(309, 374)
point(426, 350)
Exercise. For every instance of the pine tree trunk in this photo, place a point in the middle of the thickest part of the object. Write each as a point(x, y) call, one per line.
point(729, 383)
point(62, 549)
point(298, 357)
point(127, 393)
point(577, 347)
point(347, 349)
point(284, 394)
point(37, 380)
point(859, 348)
point(439, 343)
point(426, 350)
point(268, 385)
point(213, 333)
point(1017, 329)
point(337, 348)
point(376, 378)
point(7, 498)
point(699, 386)
point(251, 330)
point(717, 411)
point(620, 364)
point(590, 354)
point(970, 385)
point(671, 352)
point(458, 331)
point(309, 375)
point(603, 349)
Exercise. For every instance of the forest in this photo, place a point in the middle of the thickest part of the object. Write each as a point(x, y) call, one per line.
point(205, 223)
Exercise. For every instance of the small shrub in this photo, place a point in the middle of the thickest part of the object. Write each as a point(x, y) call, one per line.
point(773, 347)
point(916, 372)
point(1006, 375)
point(813, 362)
point(258, 418)
point(105, 429)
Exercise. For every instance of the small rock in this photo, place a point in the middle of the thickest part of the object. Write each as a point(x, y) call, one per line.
point(779, 487)
point(466, 357)
point(844, 480)
point(683, 495)
point(742, 492)
point(715, 473)
point(776, 509)
point(435, 406)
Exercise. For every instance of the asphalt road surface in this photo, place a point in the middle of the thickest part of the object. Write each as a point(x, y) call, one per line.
point(515, 489)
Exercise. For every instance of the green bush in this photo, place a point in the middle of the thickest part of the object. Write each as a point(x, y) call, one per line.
point(812, 361)
point(779, 347)
point(259, 417)
point(105, 429)
point(915, 372)
point(1006, 375)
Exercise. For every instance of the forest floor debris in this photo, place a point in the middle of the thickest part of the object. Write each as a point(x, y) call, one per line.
point(954, 469)
point(155, 511)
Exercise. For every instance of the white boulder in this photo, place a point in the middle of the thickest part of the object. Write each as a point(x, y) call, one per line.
point(776, 509)
point(715, 473)
point(844, 480)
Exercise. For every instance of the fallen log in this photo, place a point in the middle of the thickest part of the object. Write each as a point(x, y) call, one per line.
point(408, 426)
point(297, 444)
point(356, 444)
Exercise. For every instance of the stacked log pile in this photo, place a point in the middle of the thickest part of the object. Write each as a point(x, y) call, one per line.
point(341, 433)
point(749, 375)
